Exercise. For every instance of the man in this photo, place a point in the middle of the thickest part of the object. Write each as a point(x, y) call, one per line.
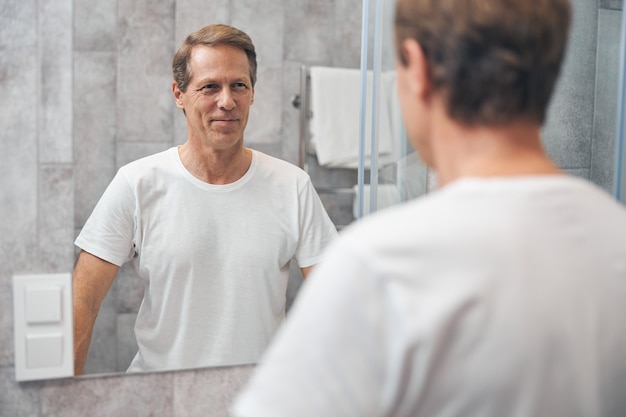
point(211, 225)
point(502, 293)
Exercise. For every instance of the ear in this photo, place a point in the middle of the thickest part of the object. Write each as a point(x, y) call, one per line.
point(178, 95)
point(417, 68)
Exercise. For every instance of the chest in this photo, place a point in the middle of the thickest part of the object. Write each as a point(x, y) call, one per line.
point(188, 224)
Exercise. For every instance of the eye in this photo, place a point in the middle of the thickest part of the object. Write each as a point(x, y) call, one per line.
point(206, 89)
point(240, 86)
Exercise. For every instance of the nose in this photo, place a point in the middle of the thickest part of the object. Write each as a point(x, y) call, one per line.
point(226, 100)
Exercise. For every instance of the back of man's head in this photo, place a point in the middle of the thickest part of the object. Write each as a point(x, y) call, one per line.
point(494, 61)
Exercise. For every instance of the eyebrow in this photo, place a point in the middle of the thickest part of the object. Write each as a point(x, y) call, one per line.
point(210, 80)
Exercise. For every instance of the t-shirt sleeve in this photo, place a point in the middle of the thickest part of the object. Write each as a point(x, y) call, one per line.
point(327, 360)
point(110, 229)
point(316, 228)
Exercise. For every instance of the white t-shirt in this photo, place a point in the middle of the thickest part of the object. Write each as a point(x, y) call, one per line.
point(490, 297)
point(214, 258)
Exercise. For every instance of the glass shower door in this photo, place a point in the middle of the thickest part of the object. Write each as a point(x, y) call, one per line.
point(390, 172)
point(619, 183)
point(584, 133)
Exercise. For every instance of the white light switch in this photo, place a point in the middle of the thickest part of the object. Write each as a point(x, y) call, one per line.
point(44, 350)
point(43, 326)
point(43, 304)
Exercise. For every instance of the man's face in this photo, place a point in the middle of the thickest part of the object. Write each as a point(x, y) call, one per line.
point(218, 97)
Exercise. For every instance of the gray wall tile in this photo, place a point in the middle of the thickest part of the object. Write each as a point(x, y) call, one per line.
point(607, 83)
point(18, 23)
point(264, 124)
point(18, 170)
point(144, 101)
point(263, 22)
point(208, 392)
point(567, 133)
point(124, 396)
point(17, 400)
point(94, 128)
point(126, 342)
point(95, 26)
point(611, 4)
point(347, 34)
point(339, 207)
point(6, 329)
point(130, 151)
point(192, 15)
point(56, 218)
point(55, 106)
point(310, 28)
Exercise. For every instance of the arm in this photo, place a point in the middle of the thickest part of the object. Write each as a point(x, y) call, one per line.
point(306, 271)
point(91, 281)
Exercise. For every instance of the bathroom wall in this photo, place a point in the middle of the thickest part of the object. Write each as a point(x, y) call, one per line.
point(606, 87)
point(86, 88)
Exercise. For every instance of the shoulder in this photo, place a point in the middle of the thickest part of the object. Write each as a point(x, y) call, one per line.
point(278, 169)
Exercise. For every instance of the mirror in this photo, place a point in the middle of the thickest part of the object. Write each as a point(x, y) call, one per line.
point(125, 95)
point(86, 88)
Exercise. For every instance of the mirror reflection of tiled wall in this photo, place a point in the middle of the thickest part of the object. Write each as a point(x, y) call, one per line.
point(86, 87)
point(124, 109)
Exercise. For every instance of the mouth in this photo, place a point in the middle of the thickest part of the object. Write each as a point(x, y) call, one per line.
point(225, 120)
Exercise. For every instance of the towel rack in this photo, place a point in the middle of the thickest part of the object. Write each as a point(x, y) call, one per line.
point(407, 172)
point(302, 102)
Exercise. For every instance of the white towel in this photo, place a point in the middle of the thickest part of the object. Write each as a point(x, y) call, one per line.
point(387, 195)
point(336, 110)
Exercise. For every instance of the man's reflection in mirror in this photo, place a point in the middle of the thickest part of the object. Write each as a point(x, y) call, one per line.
point(210, 225)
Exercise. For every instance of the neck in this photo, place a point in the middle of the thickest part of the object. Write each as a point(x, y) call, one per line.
point(460, 151)
point(215, 166)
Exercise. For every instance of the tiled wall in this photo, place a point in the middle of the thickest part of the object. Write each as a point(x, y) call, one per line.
point(605, 104)
point(86, 87)
point(611, 4)
point(206, 392)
